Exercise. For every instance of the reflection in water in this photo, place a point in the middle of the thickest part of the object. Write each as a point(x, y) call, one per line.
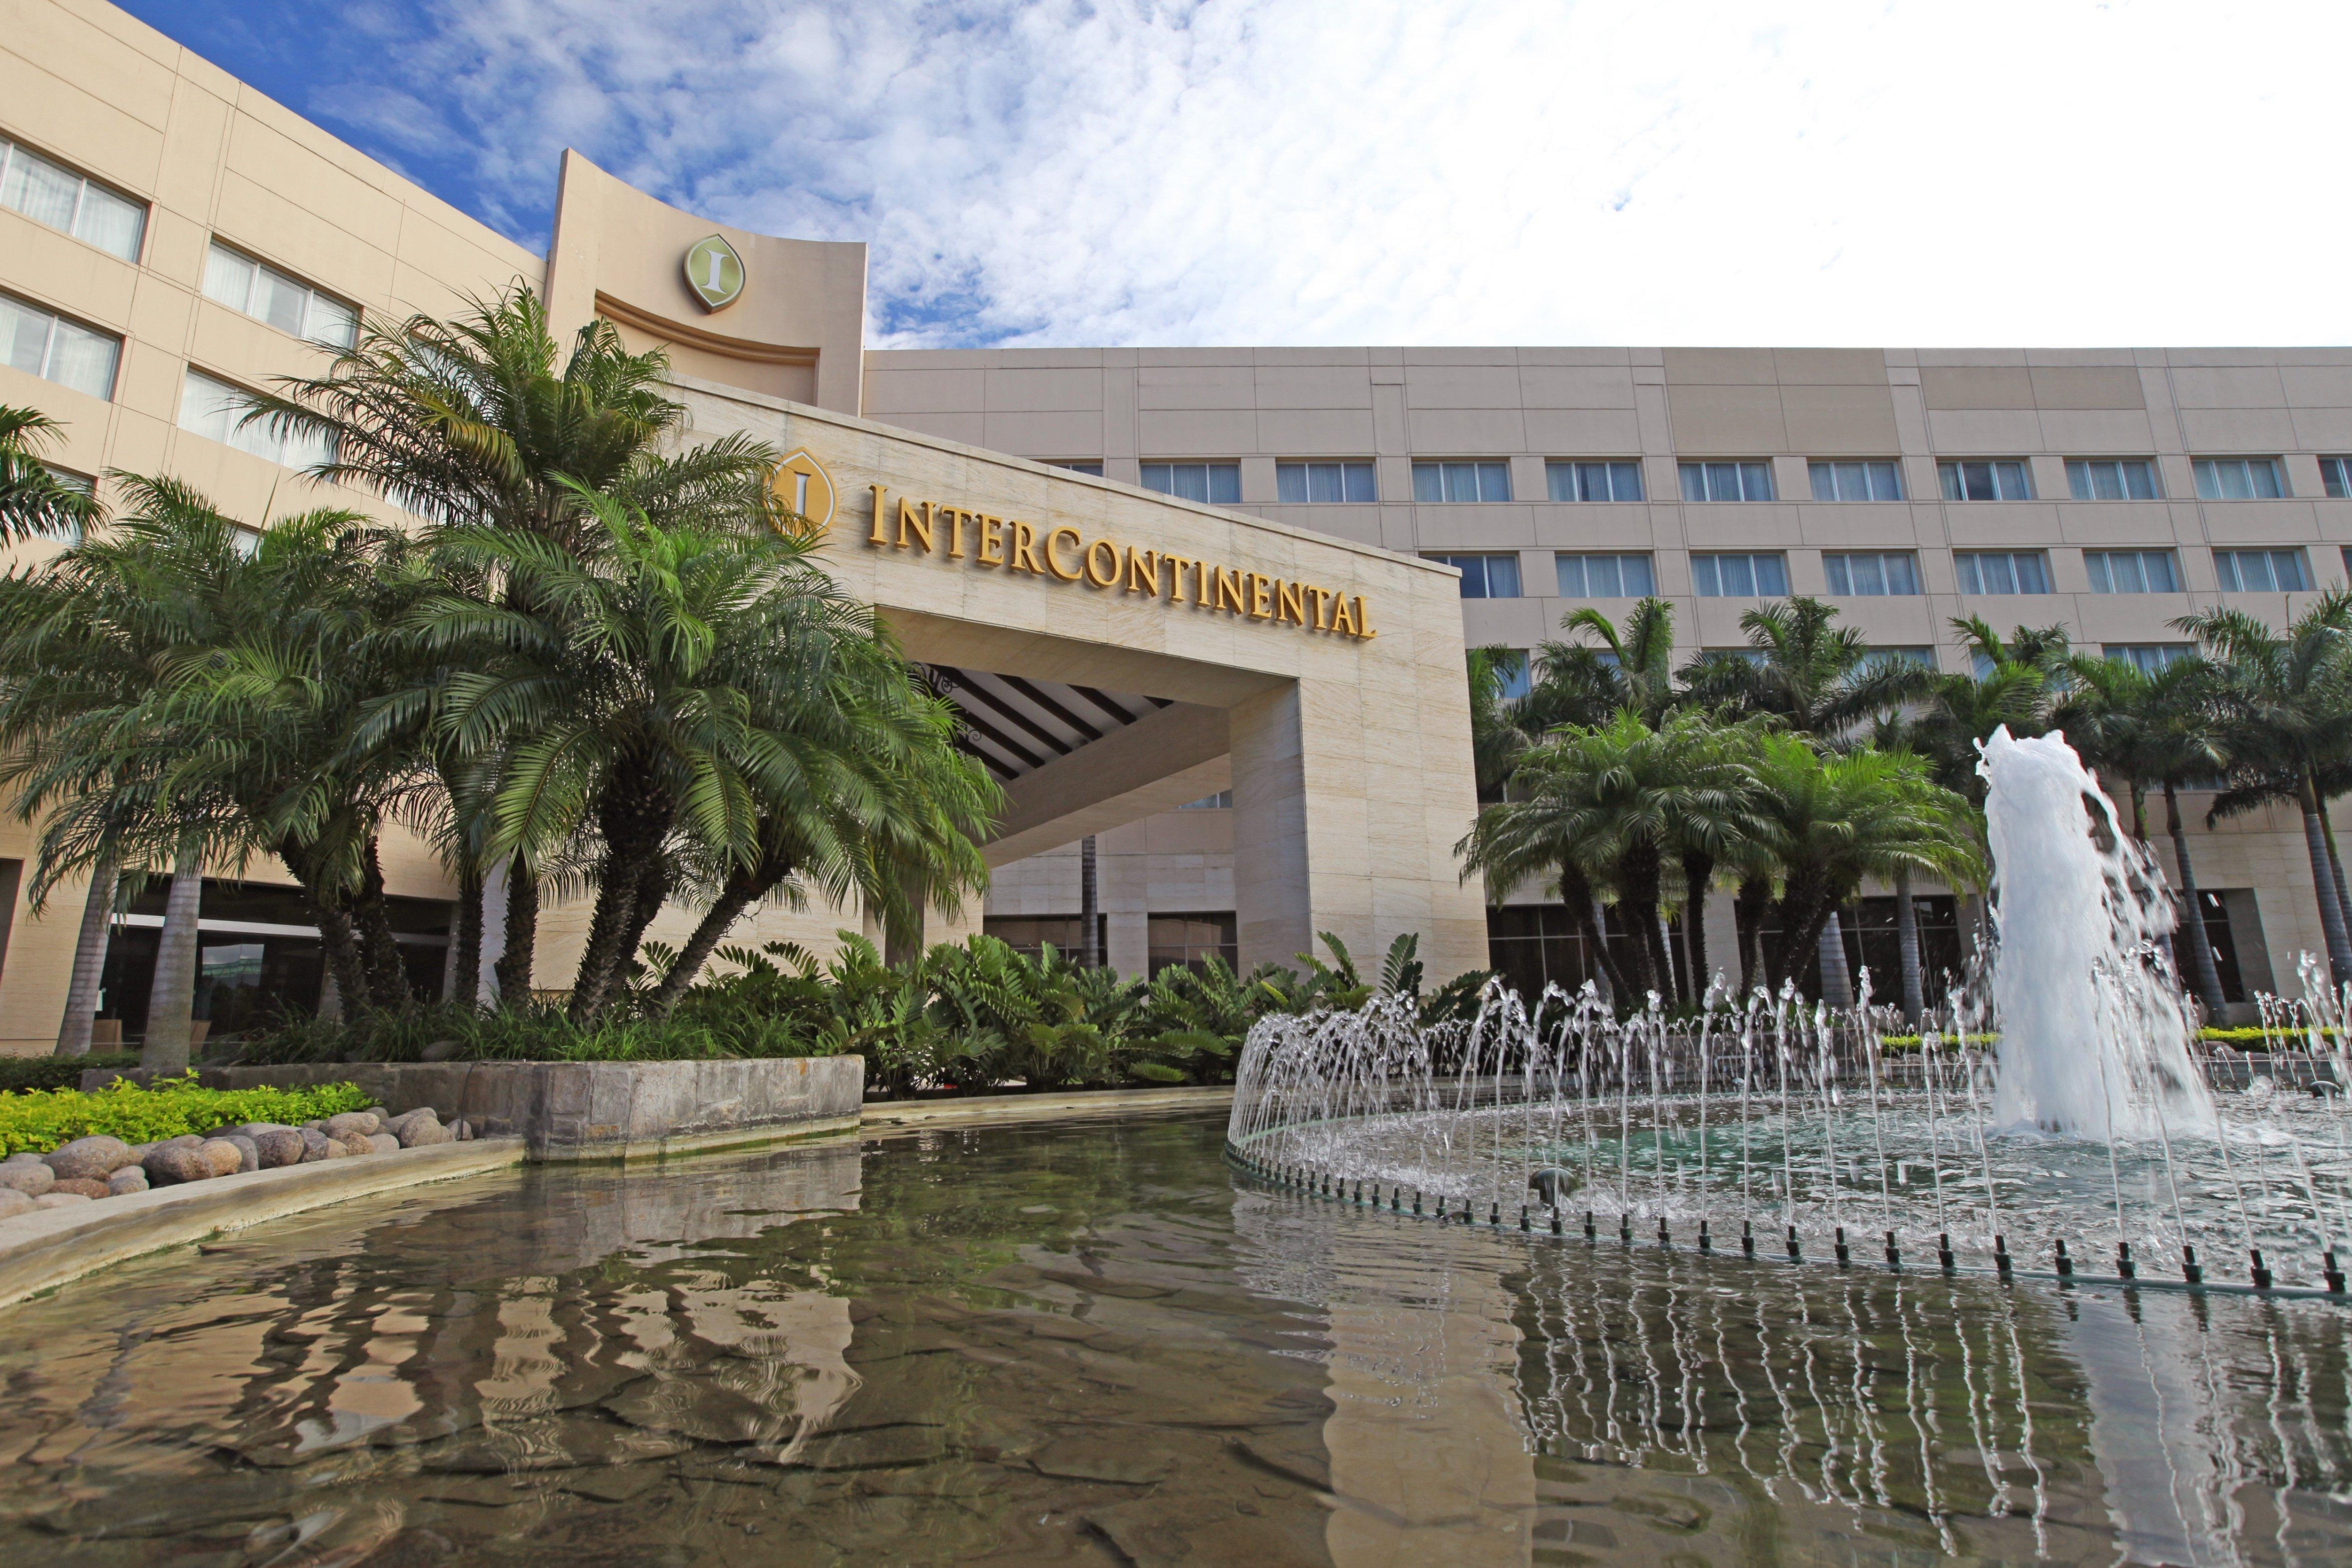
point(1084, 1343)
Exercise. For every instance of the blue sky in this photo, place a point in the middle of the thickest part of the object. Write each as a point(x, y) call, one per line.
point(2058, 172)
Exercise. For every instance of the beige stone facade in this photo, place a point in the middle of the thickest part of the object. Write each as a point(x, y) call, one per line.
point(1345, 756)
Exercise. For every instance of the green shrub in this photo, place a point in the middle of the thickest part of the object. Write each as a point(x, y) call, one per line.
point(39, 1120)
point(2254, 1040)
point(57, 1072)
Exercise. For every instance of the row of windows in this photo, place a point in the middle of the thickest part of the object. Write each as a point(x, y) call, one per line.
point(1442, 481)
point(1870, 574)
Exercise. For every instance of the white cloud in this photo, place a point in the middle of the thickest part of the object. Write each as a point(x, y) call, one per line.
point(1435, 170)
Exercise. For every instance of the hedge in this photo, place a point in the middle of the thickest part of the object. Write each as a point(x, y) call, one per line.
point(39, 1121)
point(57, 1072)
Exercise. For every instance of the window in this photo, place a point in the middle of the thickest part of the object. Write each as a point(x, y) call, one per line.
point(1077, 466)
point(1727, 482)
point(1461, 482)
point(2336, 473)
point(38, 343)
point(1220, 801)
point(212, 409)
point(1511, 669)
point(1925, 658)
point(1606, 577)
point(2003, 572)
point(2260, 571)
point(1218, 484)
point(1030, 935)
point(2132, 571)
point(1189, 941)
point(1613, 480)
point(80, 484)
point(1486, 576)
point(1314, 483)
point(261, 291)
point(1876, 479)
point(2150, 657)
point(51, 194)
point(1759, 575)
point(1865, 574)
point(1986, 478)
point(2238, 478)
point(2111, 479)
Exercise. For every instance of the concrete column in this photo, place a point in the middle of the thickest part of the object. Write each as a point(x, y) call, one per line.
point(1273, 869)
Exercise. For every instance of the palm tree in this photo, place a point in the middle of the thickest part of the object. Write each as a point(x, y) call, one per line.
point(2141, 730)
point(1832, 821)
point(34, 502)
point(1614, 807)
point(1820, 679)
point(681, 694)
point(478, 423)
point(2017, 679)
point(2287, 698)
point(1631, 668)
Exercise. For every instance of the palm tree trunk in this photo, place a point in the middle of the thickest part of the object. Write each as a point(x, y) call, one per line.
point(1907, 942)
point(1612, 977)
point(1748, 907)
point(1837, 979)
point(2335, 864)
point(715, 922)
point(2207, 979)
point(513, 970)
point(1698, 873)
point(171, 1002)
point(386, 974)
point(465, 940)
point(2322, 876)
point(89, 958)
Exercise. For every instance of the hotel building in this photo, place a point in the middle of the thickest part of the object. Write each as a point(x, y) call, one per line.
point(169, 235)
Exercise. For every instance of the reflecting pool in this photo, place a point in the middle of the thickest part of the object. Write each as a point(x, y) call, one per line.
point(1084, 1341)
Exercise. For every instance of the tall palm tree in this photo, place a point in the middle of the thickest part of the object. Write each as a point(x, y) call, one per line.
point(1614, 808)
point(1628, 666)
point(2141, 730)
point(2287, 698)
point(477, 423)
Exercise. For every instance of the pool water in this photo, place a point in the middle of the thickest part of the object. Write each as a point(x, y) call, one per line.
point(1083, 1342)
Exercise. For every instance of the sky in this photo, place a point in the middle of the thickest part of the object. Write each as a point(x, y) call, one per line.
point(1406, 172)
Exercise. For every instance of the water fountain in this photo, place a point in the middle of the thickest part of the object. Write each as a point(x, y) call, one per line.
point(2057, 1115)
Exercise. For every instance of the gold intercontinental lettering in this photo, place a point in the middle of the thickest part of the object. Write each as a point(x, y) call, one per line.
point(1066, 556)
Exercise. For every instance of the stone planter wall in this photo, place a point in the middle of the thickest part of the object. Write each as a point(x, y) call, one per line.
point(594, 1111)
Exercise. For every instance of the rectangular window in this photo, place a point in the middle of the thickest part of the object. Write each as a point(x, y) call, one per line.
point(54, 194)
point(1755, 575)
point(1512, 667)
point(1077, 465)
point(1616, 479)
point(2150, 657)
point(1220, 801)
point(2111, 479)
point(2132, 571)
point(1313, 484)
point(2003, 572)
point(292, 306)
point(1606, 577)
point(1189, 941)
point(1727, 482)
point(1477, 481)
point(2260, 571)
point(1925, 658)
point(1866, 573)
point(1986, 478)
point(40, 343)
point(1486, 576)
point(1875, 479)
point(1213, 484)
point(2336, 473)
point(212, 409)
point(2238, 478)
point(1030, 935)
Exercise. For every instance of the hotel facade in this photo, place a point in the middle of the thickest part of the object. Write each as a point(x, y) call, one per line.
point(169, 237)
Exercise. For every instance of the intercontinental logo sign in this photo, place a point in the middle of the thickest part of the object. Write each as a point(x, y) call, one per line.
point(981, 540)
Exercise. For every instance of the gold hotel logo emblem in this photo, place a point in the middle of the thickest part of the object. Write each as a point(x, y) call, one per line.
point(802, 490)
point(715, 273)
